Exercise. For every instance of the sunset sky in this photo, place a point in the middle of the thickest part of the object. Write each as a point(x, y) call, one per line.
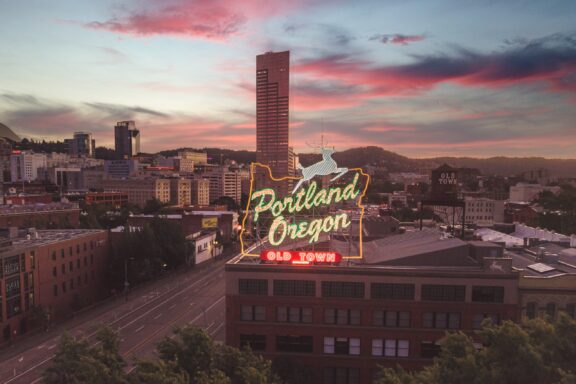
point(421, 78)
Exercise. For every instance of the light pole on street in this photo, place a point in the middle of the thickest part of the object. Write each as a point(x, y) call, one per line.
point(126, 283)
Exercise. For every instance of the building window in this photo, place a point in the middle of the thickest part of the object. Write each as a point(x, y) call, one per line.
point(77, 248)
point(71, 266)
point(342, 316)
point(441, 320)
point(63, 269)
point(78, 263)
point(294, 315)
point(341, 375)
point(55, 290)
point(64, 287)
point(390, 348)
point(70, 251)
point(298, 344)
point(488, 294)
point(551, 310)
point(391, 318)
point(392, 291)
point(294, 288)
point(443, 292)
point(54, 271)
point(531, 310)
point(480, 317)
point(62, 253)
point(345, 289)
point(85, 261)
point(53, 255)
point(341, 346)
point(429, 349)
point(253, 287)
point(255, 342)
point(253, 313)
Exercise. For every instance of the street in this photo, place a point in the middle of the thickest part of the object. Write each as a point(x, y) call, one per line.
point(150, 313)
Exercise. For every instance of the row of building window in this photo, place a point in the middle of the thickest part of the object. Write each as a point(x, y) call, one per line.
point(71, 285)
point(349, 346)
point(71, 249)
point(346, 289)
point(71, 266)
point(550, 310)
point(380, 318)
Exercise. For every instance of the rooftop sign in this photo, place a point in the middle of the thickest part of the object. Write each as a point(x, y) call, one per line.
point(307, 215)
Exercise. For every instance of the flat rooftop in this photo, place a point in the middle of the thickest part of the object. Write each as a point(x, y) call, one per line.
point(48, 236)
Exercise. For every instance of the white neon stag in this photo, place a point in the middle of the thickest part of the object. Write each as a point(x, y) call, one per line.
point(322, 168)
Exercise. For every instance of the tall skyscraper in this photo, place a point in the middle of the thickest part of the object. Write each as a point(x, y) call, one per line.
point(272, 106)
point(126, 139)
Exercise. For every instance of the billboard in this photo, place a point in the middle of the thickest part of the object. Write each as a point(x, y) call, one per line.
point(209, 222)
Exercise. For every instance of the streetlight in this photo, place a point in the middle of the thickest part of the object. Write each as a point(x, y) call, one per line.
point(126, 283)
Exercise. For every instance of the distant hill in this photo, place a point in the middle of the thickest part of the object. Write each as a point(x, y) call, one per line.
point(393, 162)
point(359, 157)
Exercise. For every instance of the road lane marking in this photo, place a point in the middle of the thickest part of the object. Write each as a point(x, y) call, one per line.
point(157, 316)
point(139, 329)
point(208, 274)
point(172, 306)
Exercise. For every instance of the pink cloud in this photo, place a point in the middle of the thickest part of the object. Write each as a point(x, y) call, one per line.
point(212, 20)
point(398, 38)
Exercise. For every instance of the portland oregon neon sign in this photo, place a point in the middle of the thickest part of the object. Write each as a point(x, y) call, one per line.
point(307, 216)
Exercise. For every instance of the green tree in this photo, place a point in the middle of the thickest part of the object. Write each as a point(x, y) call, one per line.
point(77, 362)
point(158, 371)
point(537, 351)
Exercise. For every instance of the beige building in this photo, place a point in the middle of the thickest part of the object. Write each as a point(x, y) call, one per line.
point(200, 192)
point(181, 191)
point(141, 190)
point(196, 157)
point(224, 182)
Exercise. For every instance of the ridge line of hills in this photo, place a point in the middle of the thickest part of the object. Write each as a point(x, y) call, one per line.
point(362, 156)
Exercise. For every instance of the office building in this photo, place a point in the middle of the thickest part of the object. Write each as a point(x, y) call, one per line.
point(81, 145)
point(341, 321)
point(24, 166)
point(224, 182)
point(181, 191)
point(272, 109)
point(140, 190)
point(126, 139)
point(200, 192)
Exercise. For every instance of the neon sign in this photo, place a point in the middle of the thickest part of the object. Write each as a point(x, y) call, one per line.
point(303, 216)
point(301, 257)
point(307, 198)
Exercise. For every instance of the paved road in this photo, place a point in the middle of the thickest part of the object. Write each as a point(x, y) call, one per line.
point(194, 297)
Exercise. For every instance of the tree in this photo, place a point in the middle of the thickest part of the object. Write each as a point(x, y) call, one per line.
point(157, 371)
point(77, 362)
point(209, 363)
point(537, 351)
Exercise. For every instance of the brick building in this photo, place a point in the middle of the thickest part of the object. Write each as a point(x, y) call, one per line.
point(53, 215)
point(341, 321)
point(55, 271)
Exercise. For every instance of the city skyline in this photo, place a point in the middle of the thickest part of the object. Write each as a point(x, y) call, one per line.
point(419, 78)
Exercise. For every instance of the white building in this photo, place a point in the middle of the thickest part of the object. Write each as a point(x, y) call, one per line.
point(224, 182)
point(528, 192)
point(480, 211)
point(24, 166)
point(205, 246)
